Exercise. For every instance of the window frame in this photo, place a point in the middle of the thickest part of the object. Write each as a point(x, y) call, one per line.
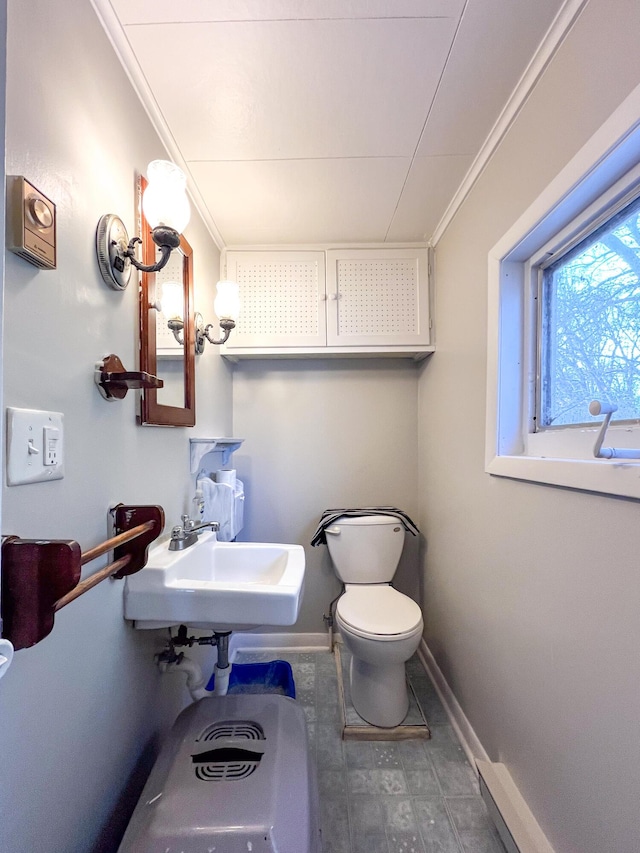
point(602, 177)
point(550, 257)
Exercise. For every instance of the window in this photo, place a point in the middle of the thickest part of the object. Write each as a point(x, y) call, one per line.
point(589, 325)
point(564, 321)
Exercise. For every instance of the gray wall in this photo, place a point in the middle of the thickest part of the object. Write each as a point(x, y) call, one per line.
point(81, 710)
point(322, 434)
point(532, 593)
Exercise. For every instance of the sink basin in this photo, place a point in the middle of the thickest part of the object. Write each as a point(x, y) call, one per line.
point(215, 585)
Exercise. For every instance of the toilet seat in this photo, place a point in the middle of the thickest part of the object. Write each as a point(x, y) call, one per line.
point(379, 612)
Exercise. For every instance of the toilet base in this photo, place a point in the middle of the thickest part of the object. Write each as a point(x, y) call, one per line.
point(379, 693)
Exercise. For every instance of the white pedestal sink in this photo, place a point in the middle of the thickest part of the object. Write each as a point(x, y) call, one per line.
point(217, 586)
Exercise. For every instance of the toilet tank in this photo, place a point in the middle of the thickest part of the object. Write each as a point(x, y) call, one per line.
point(365, 549)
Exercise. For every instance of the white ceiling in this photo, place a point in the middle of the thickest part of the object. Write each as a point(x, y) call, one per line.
point(321, 121)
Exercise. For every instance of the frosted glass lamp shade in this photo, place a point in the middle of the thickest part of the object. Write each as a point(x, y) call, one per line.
point(164, 201)
point(227, 301)
point(172, 300)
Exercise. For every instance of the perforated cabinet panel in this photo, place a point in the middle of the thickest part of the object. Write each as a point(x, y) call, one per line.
point(282, 298)
point(370, 299)
point(377, 297)
point(279, 298)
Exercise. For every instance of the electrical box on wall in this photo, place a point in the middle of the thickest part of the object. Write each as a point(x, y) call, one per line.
point(34, 446)
point(31, 223)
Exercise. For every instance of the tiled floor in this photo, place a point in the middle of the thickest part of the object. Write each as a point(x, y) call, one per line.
point(413, 796)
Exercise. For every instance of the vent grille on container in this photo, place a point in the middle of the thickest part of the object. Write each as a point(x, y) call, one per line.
point(230, 761)
point(246, 729)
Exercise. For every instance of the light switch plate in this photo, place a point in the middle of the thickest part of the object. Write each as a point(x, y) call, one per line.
point(29, 452)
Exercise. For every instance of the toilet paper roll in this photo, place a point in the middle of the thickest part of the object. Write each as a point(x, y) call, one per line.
point(226, 475)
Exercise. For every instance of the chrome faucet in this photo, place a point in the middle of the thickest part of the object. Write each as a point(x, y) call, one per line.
point(186, 534)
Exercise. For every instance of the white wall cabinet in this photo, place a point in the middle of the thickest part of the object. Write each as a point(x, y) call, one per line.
point(331, 302)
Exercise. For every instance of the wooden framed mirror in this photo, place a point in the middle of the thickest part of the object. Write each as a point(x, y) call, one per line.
point(160, 353)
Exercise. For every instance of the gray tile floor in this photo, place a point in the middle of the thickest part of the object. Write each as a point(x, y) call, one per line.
point(413, 796)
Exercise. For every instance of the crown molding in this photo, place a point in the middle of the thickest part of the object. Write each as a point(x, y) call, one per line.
point(120, 43)
point(547, 49)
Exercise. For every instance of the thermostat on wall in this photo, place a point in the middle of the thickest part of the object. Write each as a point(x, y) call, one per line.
point(31, 223)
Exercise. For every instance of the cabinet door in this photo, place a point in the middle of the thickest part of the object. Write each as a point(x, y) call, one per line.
point(377, 297)
point(282, 299)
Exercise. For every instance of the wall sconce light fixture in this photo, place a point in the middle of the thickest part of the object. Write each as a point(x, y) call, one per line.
point(227, 306)
point(166, 209)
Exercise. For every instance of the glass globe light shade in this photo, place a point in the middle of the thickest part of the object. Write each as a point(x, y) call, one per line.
point(164, 201)
point(172, 300)
point(227, 301)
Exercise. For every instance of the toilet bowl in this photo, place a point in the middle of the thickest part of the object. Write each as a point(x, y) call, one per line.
point(380, 626)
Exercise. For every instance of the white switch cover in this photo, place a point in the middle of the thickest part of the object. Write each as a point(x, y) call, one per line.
point(34, 446)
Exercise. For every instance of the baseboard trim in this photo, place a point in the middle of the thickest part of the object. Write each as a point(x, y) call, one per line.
point(462, 727)
point(285, 642)
point(516, 825)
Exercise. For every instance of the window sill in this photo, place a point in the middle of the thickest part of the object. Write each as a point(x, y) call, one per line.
point(618, 477)
point(576, 443)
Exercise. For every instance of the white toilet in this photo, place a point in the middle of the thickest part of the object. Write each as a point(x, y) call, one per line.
point(380, 626)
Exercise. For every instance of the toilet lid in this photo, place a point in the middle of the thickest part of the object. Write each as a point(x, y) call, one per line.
point(379, 609)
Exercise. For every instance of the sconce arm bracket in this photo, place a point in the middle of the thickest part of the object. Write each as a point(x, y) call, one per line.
point(166, 239)
point(204, 332)
point(159, 264)
point(116, 252)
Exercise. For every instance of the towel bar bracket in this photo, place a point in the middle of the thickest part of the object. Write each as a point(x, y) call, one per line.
point(40, 577)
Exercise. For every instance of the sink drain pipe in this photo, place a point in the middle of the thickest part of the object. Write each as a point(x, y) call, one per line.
point(222, 669)
point(193, 670)
point(171, 661)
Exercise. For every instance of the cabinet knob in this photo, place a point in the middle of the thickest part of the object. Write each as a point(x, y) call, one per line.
point(333, 296)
